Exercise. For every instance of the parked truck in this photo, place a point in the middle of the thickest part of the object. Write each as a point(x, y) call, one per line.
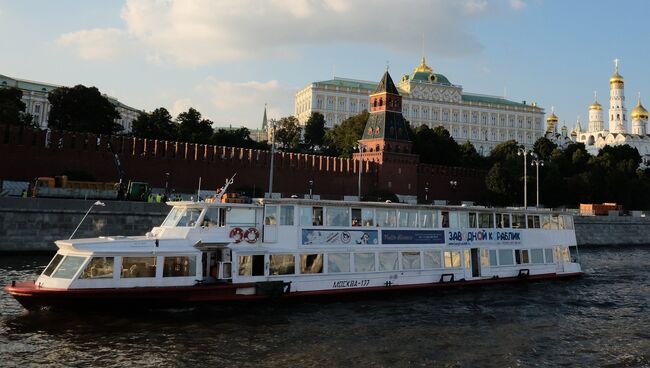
point(62, 187)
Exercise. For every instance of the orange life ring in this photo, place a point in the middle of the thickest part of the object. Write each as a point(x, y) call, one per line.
point(237, 234)
point(251, 235)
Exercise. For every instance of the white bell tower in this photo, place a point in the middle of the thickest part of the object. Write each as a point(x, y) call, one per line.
point(617, 110)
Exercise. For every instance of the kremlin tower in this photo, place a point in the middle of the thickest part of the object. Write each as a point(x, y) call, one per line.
point(617, 110)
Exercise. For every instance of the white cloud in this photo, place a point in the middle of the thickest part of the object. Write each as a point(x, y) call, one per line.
point(182, 105)
point(97, 44)
point(199, 32)
point(230, 102)
point(517, 4)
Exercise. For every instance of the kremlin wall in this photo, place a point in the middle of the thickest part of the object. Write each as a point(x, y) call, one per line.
point(26, 154)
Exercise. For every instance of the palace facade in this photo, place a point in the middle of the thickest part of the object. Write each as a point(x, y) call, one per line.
point(430, 99)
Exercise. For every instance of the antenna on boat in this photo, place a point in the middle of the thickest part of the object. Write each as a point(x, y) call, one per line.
point(198, 192)
point(223, 189)
point(97, 203)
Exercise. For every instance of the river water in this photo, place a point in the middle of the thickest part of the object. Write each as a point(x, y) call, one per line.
point(600, 320)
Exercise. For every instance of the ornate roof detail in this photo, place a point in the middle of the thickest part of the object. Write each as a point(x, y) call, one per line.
point(386, 85)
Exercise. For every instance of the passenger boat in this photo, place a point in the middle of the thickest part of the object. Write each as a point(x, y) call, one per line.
point(220, 251)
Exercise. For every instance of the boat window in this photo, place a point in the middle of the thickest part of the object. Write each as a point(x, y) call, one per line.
point(133, 267)
point(317, 216)
point(69, 267)
point(387, 261)
point(548, 255)
point(518, 221)
point(521, 256)
point(337, 216)
point(367, 216)
point(561, 224)
point(493, 257)
point(533, 222)
point(282, 264)
point(241, 216)
point(356, 217)
point(485, 257)
point(364, 262)
point(563, 250)
point(305, 216)
point(407, 218)
point(211, 217)
point(286, 215)
point(410, 260)
point(505, 257)
point(172, 217)
point(179, 266)
point(503, 220)
point(453, 220)
point(546, 222)
point(53, 263)
point(385, 217)
point(463, 220)
point(188, 217)
point(452, 259)
point(311, 263)
point(222, 217)
point(445, 218)
point(472, 219)
point(98, 268)
point(271, 217)
point(251, 265)
point(431, 259)
point(555, 222)
point(537, 256)
point(427, 219)
point(568, 222)
point(338, 262)
point(485, 220)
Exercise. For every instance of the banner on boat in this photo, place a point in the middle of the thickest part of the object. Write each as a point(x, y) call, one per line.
point(413, 237)
point(468, 237)
point(339, 237)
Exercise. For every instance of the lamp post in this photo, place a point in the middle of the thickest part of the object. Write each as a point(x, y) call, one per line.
point(97, 203)
point(360, 147)
point(537, 162)
point(523, 151)
point(311, 187)
point(272, 157)
point(453, 184)
point(426, 193)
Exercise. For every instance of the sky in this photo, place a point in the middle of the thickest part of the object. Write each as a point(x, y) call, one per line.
point(228, 58)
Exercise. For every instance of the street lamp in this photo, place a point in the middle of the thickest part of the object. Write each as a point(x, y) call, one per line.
point(525, 152)
point(97, 203)
point(453, 184)
point(537, 162)
point(360, 147)
point(426, 193)
point(273, 123)
point(311, 187)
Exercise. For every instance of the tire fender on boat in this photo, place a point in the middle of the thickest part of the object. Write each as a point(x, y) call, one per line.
point(237, 234)
point(251, 235)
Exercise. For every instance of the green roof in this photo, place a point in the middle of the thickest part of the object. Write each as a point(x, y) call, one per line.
point(349, 83)
point(492, 100)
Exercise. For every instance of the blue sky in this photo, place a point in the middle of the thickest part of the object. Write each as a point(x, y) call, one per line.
point(227, 58)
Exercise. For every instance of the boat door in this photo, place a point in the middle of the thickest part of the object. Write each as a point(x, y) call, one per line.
point(476, 263)
point(270, 224)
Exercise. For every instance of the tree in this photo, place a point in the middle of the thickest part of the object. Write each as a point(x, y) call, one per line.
point(192, 128)
point(436, 146)
point(469, 157)
point(499, 182)
point(314, 130)
point(287, 132)
point(236, 138)
point(82, 109)
point(543, 148)
point(340, 140)
point(155, 125)
point(12, 108)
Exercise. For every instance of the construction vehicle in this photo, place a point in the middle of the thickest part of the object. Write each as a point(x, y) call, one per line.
point(61, 187)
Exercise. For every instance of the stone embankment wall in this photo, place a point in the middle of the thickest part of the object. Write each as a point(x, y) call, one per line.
point(33, 224)
point(612, 230)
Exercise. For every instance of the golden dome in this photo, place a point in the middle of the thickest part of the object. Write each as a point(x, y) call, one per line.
point(639, 112)
point(551, 118)
point(423, 67)
point(616, 78)
point(595, 106)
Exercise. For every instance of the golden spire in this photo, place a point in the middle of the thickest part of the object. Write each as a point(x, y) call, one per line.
point(552, 118)
point(639, 112)
point(616, 78)
point(595, 105)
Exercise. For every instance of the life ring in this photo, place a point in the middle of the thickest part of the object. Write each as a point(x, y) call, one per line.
point(237, 234)
point(251, 235)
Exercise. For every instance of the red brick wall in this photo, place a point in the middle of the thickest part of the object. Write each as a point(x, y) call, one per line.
point(24, 155)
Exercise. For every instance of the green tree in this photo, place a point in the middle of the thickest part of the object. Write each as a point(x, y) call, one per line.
point(12, 108)
point(436, 146)
point(236, 138)
point(82, 109)
point(287, 133)
point(340, 140)
point(499, 183)
point(155, 125)
point(314, 130)
point(469, 157)
point(543, 148)
point(192, 128)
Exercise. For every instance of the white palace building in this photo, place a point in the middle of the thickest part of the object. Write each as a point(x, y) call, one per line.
point(429, 98)
point(35, 98)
